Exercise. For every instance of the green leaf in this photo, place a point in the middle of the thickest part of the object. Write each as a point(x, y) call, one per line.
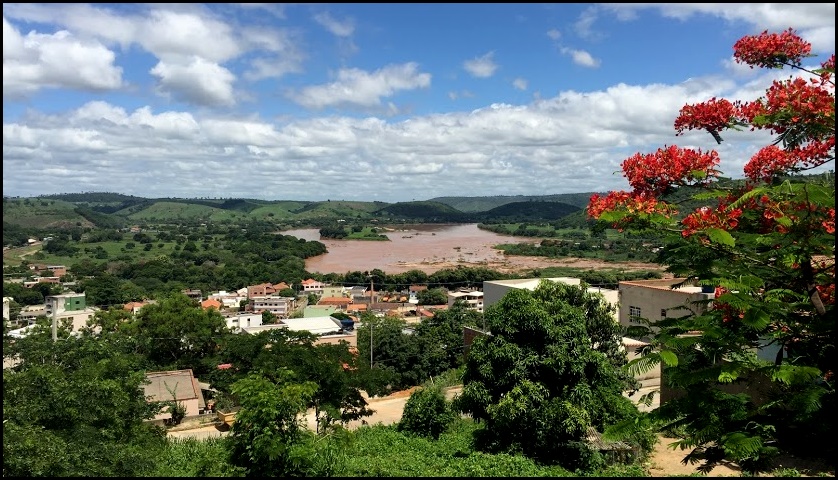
point(669, 358)
point(698, 174)
point(717, 235)
point(756, 318)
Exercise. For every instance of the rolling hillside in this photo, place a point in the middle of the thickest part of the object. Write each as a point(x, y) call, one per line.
point(484, 204)
point(528, 211)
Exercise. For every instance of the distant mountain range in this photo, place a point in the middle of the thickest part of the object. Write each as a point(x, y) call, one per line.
point(114, 210)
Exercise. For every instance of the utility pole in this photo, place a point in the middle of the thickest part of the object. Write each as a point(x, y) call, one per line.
point(372, 293)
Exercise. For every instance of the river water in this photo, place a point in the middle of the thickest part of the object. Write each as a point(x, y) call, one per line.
point(425, 247)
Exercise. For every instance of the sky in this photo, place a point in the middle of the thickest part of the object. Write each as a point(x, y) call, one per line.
point(370, 102)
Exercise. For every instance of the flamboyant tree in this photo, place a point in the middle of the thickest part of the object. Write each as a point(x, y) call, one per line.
point(758, 377)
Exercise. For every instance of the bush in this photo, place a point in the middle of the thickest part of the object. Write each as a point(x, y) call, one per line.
point(427, 413)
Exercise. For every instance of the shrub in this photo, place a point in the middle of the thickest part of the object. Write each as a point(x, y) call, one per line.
point(427, 413)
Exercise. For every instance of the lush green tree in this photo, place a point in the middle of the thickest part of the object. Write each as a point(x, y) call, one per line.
point(440, 338)
point(539, 381)
point(432, 296)
point(757, 377)
point(287, 292)
point(394, 349)
point(268, 434)
point(75, 407)
point(175, 332)
point(21, 294)
point(427, 413)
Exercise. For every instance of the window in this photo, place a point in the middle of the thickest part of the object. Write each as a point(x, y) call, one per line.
point(663, 313)
point(634, 314)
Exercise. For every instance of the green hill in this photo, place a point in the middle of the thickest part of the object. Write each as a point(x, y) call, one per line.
point(42, 214)
point(529, 211)
point(484, 204)
point(426, 211)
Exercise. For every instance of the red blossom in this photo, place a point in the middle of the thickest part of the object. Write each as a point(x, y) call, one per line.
point(767, 163)
point(654, 174)
point(713, 115)
point(706, 217)
point(829, 222)
point(771, 50)
point(772, 161)
point(631, 203)
point(795, 102)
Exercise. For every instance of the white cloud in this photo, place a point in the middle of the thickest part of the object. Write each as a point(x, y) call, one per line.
point(358, 88)
point(581, 57)
point(481, 67)
point(520, 83)
point(58, 60)
point(336, 27)
point(196, 80)
point(190, 43)
point(554, 34)
point(584, 24)
point(573, 142)
point(813, 21)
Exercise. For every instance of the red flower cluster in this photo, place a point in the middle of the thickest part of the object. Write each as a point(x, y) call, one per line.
point(728, 312)
point(771, 50)
point(706, 217)
point(790, 103)
point(827, 293)
point(627, 202)
point(654, 174)
point(772, 161)
point(713, 115)
point(829, 222)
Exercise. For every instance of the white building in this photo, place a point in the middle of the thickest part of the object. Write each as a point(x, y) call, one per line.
point(656, 299)
point(472, 298)
point(239, 321)
point(70, 307)
point(280, 307)
point(229, 299)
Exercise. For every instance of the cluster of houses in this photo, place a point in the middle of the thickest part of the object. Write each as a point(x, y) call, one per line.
point(244, 311)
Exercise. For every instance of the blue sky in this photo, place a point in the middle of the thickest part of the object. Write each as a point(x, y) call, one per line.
point(388, 102)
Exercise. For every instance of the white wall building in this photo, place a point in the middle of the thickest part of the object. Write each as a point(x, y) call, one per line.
point(472, 298)
point(239, 321)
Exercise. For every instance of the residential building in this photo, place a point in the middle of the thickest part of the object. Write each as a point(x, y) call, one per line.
point(68, 307)
point(316, 325)
point(334, 291)
point(181, 383)
point(657, 299)
point(340, 302)
point(239, 321)
point(194, 294)
point(230, 300)
point(28, 313)
point(472, 298)
point(312, 311)
point(324, 325)
point(211, 303)
point(413, 292)
point(356, 308)
point(358, 293)
point(135, 307)
point(312, 286)
point(280, 307)
point(265, 289)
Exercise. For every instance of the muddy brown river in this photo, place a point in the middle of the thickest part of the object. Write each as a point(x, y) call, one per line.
point(432, 247)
